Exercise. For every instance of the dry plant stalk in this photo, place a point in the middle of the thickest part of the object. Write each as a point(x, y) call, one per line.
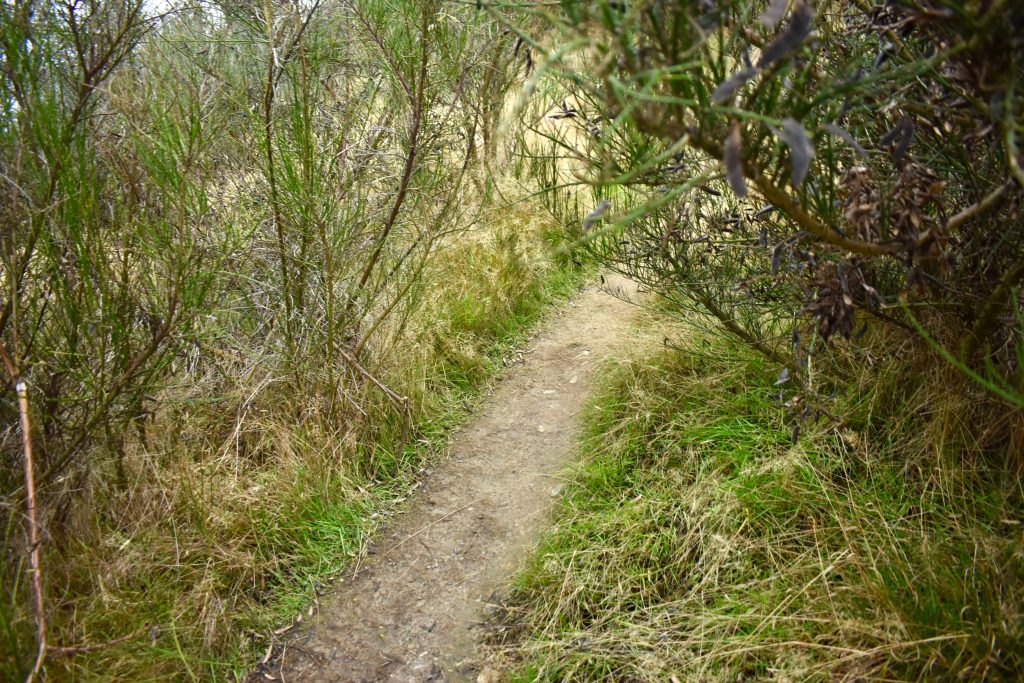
point(401, 401)
point(35, 564)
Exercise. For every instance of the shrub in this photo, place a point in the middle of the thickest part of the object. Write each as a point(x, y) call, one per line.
point(798, 172)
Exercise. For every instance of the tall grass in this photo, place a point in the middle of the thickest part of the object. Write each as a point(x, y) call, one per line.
point(251, 273)
point(696, 542)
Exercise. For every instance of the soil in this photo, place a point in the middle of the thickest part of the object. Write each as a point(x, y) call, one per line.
point(408, 610)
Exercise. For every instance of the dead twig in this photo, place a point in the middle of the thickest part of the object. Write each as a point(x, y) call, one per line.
point(975, 209)
point(71, 650)
point(35, 565)
point(401, 401)
point(428, 527)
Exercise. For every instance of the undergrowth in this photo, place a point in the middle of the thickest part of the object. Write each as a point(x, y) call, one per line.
point(236, 508)
point(698, 543)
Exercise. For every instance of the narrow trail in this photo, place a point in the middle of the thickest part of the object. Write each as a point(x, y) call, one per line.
point(408, 611)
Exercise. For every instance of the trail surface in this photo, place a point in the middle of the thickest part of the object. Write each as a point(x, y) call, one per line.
point(408, 612)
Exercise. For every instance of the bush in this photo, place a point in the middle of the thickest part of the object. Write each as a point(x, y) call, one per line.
point(797, 173)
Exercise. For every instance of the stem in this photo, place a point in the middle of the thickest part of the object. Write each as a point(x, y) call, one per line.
point(416, 101)
point(275, 202)
point(975, 209)
point(782, 201)
point(401, 401)
point(35, 563)
point(986, 323)
point(729, 323)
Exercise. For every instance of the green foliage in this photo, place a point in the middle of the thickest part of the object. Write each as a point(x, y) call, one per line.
point(801, 166)
point(223, 249)
point(697, 542)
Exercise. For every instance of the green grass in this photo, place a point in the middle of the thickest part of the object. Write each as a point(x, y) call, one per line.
point(696, 541)
point(237, 515)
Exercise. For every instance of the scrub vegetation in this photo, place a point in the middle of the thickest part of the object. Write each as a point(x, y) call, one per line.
point(253, 269)
point(258, 256)
point(696, 542)
point(819, 478)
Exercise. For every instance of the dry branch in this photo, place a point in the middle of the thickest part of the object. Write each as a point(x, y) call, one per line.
point(35, 564)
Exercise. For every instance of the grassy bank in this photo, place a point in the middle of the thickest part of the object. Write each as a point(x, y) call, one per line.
point(698, 543)
point(239, 501)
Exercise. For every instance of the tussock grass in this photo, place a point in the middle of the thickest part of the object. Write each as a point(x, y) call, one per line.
point(697, 542)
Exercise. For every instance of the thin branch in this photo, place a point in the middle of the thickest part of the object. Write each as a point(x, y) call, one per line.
point(416, 101)
point(979, 208)
point(401, 401)
point(989, 317)
point(71, 650)
point(35, 562)
point(777, 196)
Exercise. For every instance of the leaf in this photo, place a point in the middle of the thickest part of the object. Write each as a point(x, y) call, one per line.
point(596, 214)
point(727, 88)
point(777, 257)
point(773, 13)
point(801, 151)
point(792, 36)
point(734, 162)
point(796, 434)
point(846, 137)
point(904, 143)
point(900, 135)
point(783, 377)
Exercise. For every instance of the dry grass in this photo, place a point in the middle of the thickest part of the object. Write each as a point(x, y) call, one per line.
point(239, 499)
point(698, 543)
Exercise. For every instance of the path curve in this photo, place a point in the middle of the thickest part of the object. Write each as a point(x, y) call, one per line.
point(408, 613)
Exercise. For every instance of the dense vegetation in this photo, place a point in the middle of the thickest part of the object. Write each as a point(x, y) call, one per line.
point(252, 268)
point(256, 256)
point(828, 487)
point(802, 172)
point(697, 542)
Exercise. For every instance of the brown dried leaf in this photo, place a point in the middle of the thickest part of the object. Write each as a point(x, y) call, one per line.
point(801, 150)
point(792, 36)
point(734, 162)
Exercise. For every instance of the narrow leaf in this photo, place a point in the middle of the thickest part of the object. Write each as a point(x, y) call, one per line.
point(745, 56)
point(773, 13)
point(846, 137)
point(727, 88)
point(792, 36)
point(734, 162)
point(904, 142)
point(801, 151)
point(596, 214)
point(777, 257)
point(899, 135)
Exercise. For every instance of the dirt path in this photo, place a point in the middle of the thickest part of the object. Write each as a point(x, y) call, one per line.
point(407, 615)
